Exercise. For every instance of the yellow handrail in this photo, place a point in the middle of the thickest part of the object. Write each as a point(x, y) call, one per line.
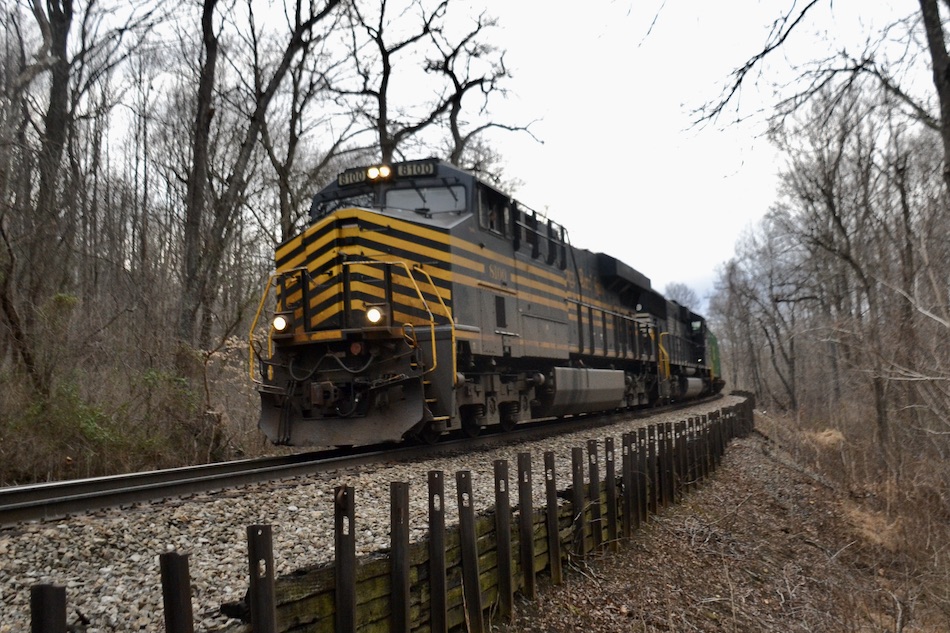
point(271, 282)
point(664, 360)
point(425, 304)
point(257, 316)
point(448, 315)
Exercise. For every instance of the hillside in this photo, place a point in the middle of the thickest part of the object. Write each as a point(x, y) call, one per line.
point(765, 546)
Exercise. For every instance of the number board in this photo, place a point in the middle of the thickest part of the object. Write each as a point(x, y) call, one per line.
point(412, 169)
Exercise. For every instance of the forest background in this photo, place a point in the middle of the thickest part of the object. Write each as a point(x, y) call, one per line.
point(152, 158)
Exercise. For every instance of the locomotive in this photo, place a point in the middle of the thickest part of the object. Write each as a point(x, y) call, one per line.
point(421, 300)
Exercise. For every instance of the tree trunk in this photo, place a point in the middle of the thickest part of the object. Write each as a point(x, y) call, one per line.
point(197, 194)
point(940, 62)
point(203, 256)
point(56, 119)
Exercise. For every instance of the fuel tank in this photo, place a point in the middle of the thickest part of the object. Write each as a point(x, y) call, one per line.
point(690, 387)
point(571, 390)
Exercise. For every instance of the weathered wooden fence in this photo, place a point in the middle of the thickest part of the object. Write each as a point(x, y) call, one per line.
point(457, 577)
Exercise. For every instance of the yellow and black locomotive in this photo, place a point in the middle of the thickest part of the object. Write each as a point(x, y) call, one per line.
point(421, 300)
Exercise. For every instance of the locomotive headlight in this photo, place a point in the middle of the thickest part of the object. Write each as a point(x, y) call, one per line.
point(280, 323)
point(374, 315)
point(380, 172)
point(377, 313)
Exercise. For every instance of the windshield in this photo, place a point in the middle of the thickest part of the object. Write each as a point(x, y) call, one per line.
point(323, 207)
point(431, 199)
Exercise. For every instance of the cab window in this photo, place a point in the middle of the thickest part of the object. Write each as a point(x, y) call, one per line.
point(494, 211)
point(430, 199)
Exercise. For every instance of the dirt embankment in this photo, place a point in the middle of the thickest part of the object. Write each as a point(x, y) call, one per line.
point(764, 546)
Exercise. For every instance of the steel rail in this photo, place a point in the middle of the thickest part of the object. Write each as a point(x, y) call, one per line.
point(52, 500)
point(55, 500)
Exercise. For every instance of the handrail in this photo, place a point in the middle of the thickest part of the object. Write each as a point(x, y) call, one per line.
point(257, 316)
point(664, 364)
point(448, 315)
point(271, 283)
point(425, 304)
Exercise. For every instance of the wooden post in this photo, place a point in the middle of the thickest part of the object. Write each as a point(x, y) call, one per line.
point(577, 500)
point(176, 593)
point(554, 537)
point(716, 440)
point(667, 477)
point(679, 478)
point(438, 600)
point(399, 555)
point(626, 473)
point(723, 434)
point(506, 593)
point(652, 483)
point(704, 446)
point(691, 452)
point(344, 537)
point(593, 492)
point(47, 609)
point(701, 446)
point(526, 524)
point(260, 549)
point(471, 589)
point(611, 477)
point(643, 477)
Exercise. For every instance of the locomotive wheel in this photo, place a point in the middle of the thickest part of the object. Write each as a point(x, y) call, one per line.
point(429, 435)
point(509, 416)
point(470, 426)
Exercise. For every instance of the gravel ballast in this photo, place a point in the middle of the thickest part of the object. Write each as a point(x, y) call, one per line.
point(109, 560)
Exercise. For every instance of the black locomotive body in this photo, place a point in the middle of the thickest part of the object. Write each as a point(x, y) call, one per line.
point(421, 300)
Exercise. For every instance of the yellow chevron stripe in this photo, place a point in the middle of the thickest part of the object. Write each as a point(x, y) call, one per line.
point(556, 299)
point(421, 231)
point(527, 288)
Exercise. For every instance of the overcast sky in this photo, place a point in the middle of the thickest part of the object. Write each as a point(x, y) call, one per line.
point(615, 86)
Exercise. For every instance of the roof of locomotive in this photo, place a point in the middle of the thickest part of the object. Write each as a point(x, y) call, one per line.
point(369, 186)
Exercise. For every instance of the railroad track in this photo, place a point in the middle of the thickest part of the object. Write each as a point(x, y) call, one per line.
point(54, 500)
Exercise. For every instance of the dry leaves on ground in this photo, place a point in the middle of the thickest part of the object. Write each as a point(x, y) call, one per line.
point(762, 546)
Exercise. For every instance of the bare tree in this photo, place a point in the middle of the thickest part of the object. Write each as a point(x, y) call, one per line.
point(838, 74)
point(78, 46)
point(940, 63)
point(400, 47)
point(682, 294)
point(214, 210)
point(471, 66)
point(388, 39)
point(876, 224)
point(304, 110)
point(766, 280)
point(482, 158)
